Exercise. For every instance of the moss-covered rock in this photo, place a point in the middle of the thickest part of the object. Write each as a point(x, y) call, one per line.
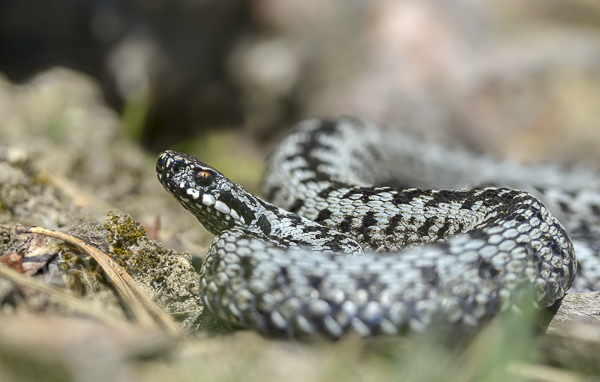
point(167, 276)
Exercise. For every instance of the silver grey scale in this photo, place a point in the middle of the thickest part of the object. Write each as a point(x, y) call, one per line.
point(453, 256)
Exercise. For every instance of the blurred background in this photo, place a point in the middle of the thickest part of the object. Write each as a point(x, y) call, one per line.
point(92, 90)
point(519, 78)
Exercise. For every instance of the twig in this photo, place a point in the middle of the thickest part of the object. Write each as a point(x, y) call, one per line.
point(142, 308)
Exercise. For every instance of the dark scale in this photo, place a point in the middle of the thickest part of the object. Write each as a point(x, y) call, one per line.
point(264, 224)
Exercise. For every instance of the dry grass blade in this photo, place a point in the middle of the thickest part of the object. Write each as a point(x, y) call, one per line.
point(543, 373)
point(143, 309)
point(74, 303)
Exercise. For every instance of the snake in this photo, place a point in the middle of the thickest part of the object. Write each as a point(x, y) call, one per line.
point(368, 230)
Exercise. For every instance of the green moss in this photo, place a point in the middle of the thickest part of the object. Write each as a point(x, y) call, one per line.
point(129, 244)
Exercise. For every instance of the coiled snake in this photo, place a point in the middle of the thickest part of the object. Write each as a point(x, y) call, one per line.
point(453, 256)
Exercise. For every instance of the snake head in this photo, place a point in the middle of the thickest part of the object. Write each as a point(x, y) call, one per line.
point(217, 202)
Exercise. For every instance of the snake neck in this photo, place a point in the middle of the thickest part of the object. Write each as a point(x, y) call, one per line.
point(220, 205)
point(289, 230)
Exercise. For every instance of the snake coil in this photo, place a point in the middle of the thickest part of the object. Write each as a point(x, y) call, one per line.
point(315, 264)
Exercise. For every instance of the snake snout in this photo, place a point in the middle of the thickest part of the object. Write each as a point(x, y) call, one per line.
point(168, 164)
point(162, 162)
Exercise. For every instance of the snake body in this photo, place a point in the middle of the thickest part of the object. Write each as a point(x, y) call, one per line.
point(341, 253)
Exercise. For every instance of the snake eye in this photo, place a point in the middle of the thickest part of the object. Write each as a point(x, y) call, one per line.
point(204, 178)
